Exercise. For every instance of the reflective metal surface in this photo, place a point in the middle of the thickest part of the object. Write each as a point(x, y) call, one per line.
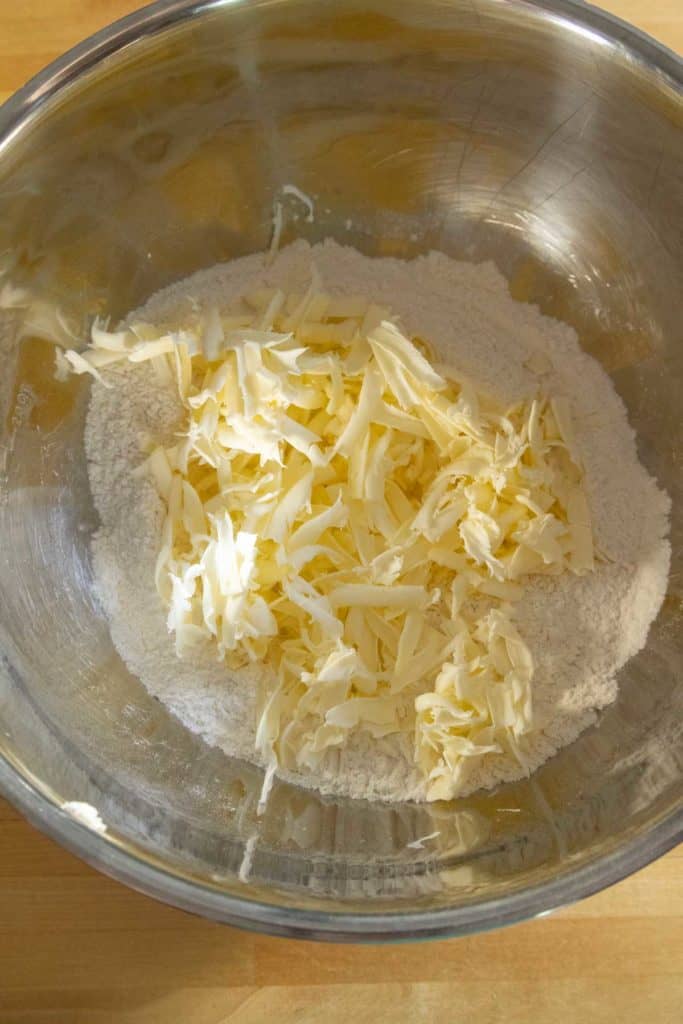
point(543, 135)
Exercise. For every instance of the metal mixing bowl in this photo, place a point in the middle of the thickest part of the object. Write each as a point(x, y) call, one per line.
point(541, 134)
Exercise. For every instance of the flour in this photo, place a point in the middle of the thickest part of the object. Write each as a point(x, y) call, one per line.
point(580, 630)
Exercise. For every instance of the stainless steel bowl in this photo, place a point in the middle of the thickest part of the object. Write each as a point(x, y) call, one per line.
point(542, 134)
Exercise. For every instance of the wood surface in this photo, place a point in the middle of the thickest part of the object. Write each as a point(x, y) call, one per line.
point(78, 948)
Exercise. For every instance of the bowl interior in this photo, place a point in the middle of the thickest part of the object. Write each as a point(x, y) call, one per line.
point(517, 132)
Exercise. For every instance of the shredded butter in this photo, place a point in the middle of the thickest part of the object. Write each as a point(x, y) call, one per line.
point(361, 520)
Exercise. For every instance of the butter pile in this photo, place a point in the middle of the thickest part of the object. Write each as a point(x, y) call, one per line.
point(360, 520)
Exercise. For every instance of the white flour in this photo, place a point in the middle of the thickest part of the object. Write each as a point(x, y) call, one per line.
point(580, 630)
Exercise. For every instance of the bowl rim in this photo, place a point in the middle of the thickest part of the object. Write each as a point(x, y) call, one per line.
point(194, 896)
point(198, 898)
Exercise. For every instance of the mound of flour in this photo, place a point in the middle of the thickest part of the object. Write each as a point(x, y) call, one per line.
point(580, 630)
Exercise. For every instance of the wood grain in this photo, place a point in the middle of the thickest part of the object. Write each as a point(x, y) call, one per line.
point(77, 948)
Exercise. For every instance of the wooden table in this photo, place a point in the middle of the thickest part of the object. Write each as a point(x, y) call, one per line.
point(77, 948)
